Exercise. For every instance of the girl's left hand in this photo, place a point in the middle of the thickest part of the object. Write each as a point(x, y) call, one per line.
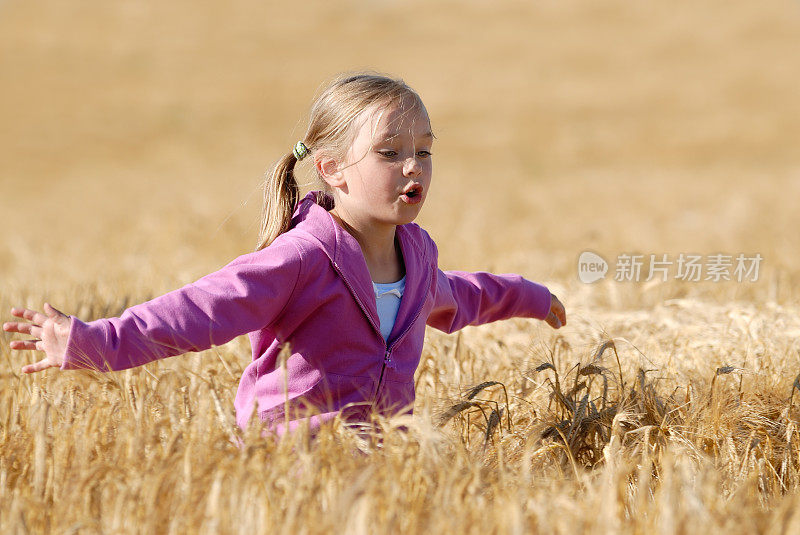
point(50, 333)
point(557, 316)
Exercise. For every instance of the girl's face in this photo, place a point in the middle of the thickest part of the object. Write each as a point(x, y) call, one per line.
point(390, 155)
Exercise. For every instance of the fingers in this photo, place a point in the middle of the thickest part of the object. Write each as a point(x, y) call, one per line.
point(557, 308)
point(24, 328)
point(553, 321)
point(30, 315)
point(38, 366)
point(562, 315)
point(52, 311)
point(21, 345)
point(14, 327)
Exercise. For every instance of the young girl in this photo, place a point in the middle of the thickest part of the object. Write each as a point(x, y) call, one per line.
point(342, 275)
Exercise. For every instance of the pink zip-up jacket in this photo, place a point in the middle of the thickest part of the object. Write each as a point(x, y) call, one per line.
point(311, 288)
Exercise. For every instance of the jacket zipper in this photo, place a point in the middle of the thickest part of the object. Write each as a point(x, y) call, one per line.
point(387, 355)
point(386, 358)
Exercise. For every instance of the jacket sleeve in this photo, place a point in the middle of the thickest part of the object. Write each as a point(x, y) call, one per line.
point(473, 298)
point(246, 295)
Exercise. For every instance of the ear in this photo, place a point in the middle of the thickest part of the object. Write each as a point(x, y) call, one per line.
point(328, 169)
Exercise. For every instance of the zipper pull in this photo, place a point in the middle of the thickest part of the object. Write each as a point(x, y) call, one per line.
point(387, 357)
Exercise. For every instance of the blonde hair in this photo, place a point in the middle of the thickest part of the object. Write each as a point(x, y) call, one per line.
point(331, 132)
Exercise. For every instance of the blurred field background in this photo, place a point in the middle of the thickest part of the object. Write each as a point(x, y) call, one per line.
point(133, 138)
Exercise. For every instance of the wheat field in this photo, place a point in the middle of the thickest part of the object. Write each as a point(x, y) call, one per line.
point(133, 138)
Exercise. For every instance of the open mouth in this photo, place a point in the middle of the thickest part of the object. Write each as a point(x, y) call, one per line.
point(414, 192)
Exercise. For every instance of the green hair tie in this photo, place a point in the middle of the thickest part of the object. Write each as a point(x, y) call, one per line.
point(300, 151)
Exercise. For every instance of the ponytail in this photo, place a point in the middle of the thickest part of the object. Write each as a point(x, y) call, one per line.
point(281, 194)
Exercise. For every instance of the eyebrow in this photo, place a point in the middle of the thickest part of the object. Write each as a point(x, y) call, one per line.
point(388, 137)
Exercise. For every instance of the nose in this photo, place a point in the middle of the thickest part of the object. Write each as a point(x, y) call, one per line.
point(412, 167)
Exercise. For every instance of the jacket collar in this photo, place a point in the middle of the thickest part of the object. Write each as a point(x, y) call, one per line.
point(311, 216)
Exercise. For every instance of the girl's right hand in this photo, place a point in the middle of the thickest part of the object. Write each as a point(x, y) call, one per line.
point(50, 333)
point(557, 317)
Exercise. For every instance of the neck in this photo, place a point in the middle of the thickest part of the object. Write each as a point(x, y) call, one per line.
point(377, 241)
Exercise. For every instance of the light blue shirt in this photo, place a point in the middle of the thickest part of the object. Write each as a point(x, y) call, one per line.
point(387, 297)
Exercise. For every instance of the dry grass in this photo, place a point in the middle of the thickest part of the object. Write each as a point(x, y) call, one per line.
point(132, 141)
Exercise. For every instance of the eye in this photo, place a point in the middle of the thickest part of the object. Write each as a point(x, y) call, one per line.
point(424, 154)
point(388, 153)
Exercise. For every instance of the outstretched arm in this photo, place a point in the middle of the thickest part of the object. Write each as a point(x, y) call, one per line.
point(466, 298)
point(246, 295)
